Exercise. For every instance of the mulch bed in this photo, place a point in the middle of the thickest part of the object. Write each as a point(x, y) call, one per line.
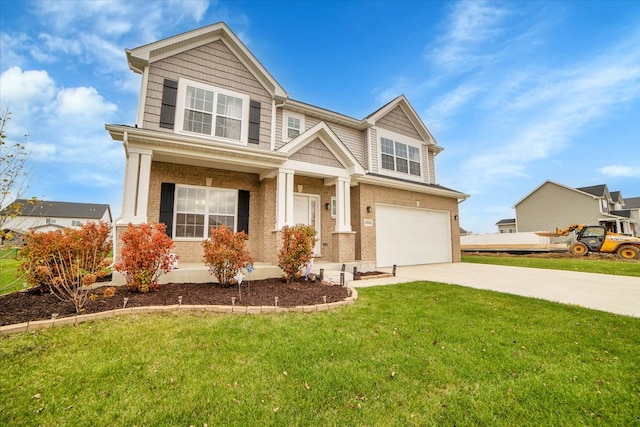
point(32, 305)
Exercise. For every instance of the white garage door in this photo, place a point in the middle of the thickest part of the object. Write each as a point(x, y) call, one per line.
point(408, 236)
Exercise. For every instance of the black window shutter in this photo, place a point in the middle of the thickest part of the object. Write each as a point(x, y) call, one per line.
point(167, 193)
point(168, 108)
point(254, 122)
point(243, 211)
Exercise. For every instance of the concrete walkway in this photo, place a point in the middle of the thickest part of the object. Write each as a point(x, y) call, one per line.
point(615, 294)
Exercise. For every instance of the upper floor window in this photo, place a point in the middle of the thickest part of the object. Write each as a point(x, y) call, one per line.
point(400, 157)
point(211, 111)
point(76, 223)
point(293, 125)
point(50, 220)
point(198, 209)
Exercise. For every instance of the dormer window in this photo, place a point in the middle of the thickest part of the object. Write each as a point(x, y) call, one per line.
point(293, 125)
point(211, 111)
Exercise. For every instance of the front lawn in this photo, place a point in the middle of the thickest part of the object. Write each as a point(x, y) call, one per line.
point(10, 281)
point(413, 354)
point(590, 264)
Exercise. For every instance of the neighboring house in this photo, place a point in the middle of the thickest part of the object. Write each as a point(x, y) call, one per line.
point(219, 141)
point(507, 225)
point(46, 215)
point(632, 210)
point(552, 205)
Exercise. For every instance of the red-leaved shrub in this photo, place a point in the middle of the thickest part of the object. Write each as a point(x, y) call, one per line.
point(297, 249)
point(225, 253)
point(67, 262)
point(145, 255)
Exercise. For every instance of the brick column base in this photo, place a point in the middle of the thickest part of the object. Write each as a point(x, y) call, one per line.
point(343, 247)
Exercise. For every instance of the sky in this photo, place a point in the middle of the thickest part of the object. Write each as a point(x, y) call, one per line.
point(516, 93)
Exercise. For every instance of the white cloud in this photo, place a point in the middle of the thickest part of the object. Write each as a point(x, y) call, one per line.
point(83, 102)
point(25, 94)
point(40, 151)
point(449, 105)
point(614, 171)
point(473, 24)
point(19, 87)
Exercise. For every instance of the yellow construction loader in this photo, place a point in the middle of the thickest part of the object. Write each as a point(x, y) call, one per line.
point(596, 238)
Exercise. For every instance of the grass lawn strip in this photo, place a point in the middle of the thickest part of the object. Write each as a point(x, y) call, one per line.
point(592, 264)
point(413, 354)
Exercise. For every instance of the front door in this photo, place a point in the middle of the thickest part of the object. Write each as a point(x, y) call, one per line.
point(306, 211)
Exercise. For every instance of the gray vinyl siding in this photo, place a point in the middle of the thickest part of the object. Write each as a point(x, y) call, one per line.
point(212, 64)
point(552, 206)
point(353, 139)
point(432, 168)
point(317, 153)
point(397, 121)
point(373, 146)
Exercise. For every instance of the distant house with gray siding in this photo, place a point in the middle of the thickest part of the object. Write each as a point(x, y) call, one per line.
point(552, 205)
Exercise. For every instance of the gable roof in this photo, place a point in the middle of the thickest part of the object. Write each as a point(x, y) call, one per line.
point(61, 209)
point(595, 190)
point(506, 221)
point(140, 57)
point(328, 137)
point(577, 190)
point(402, 102)
point(632, 203)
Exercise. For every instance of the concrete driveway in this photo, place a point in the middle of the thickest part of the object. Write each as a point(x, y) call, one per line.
point(615, 294)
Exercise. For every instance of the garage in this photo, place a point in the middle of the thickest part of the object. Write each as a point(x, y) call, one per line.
point(411, 236)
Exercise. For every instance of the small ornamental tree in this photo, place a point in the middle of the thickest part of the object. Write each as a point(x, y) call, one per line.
point(145, 255)
point(67, 262)
point(297, 249)
point(225, 253)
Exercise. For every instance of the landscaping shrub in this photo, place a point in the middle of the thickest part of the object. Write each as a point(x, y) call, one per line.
point(297, 249)
point(145, 255)
point(67, 262)
point(225, 253)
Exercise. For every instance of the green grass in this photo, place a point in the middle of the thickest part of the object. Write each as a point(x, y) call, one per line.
point(9, 279)
point(595, 264)
point(413, 354)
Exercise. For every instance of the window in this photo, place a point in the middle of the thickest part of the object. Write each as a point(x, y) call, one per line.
point(51, 221)
point(399, 157)
point(333, 206)
point(76, 223)
point(211, 111)
point(198, 209)
point(293, 125)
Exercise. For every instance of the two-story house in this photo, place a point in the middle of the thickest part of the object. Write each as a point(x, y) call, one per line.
point(218, 141)
point(552, 205)
point(44, 215)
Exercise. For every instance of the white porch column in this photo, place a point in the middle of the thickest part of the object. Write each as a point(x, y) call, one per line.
point(284, 198)
point(343, 205)
point(144, 177)
point(129, 196)
point(136, 186)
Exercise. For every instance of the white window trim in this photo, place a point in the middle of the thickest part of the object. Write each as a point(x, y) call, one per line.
point(395, 137)
point(206, 214)
point(285, 123)
point(180, 106)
